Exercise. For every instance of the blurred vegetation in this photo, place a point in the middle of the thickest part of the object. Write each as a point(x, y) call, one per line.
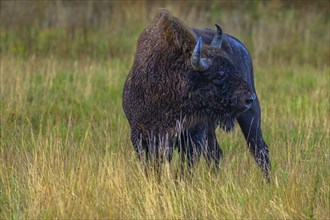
point(283, 31)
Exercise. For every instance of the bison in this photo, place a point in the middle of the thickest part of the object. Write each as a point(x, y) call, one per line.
point(180, 90)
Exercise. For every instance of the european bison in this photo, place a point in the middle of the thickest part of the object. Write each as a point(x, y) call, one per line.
point(178, 92)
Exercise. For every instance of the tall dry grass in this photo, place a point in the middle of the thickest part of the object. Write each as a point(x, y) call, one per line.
point(65, 150)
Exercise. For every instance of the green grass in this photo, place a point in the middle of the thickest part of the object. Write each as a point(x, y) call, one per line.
point(65, 150)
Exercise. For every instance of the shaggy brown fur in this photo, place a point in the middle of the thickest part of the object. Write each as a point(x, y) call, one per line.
point(168, 103)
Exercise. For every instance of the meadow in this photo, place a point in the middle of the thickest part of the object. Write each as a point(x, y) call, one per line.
point(65, 149)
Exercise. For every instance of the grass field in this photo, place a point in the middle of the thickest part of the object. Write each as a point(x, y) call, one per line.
point(65, 150)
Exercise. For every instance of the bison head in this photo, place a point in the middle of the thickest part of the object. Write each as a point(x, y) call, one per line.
point(217, 84)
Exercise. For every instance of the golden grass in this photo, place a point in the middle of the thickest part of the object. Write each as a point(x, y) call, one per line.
point(62, 162)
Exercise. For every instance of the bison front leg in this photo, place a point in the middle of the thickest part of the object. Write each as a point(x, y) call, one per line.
point(152, 151)
point(249, 122)
point(190, 144)
point(139, 144)
point(213, 151)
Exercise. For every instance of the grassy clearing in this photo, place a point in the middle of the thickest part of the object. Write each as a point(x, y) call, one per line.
point(67, 153)
point(65, 149)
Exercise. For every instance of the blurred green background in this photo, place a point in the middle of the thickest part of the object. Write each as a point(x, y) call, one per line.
point(273, 31)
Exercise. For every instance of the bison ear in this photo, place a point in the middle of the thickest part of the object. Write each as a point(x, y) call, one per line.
point(197, 62)
point(217, 39)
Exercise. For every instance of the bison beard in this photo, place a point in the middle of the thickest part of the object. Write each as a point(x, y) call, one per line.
point(177, 93)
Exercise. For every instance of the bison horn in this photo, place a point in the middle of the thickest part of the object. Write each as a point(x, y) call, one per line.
point(217, 39)
point(197, 62)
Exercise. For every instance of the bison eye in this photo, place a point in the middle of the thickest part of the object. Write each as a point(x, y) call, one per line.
point(218, 81)
point(221, 73)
